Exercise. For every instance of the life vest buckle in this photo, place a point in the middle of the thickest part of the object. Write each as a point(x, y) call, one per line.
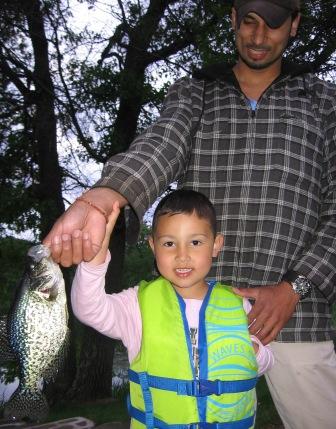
point(200, 388)
point(195, 389)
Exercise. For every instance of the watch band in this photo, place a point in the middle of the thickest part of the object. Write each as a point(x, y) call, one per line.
point(290, 276)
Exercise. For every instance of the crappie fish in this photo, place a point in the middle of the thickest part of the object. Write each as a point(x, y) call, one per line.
point(37, 334)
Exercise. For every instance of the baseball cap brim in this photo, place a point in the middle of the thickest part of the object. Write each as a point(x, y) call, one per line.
point(273, 15)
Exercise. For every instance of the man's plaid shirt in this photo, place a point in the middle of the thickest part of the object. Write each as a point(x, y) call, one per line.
point(271, 174)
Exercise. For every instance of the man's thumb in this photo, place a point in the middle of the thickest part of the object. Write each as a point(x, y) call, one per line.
point(244, 292)
point(239, 291)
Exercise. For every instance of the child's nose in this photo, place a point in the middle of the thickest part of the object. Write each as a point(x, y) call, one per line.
point(182, 253)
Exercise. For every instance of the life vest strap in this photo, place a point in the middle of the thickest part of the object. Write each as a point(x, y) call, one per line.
point(149, 416)
point(140, 416)
point(194, 387)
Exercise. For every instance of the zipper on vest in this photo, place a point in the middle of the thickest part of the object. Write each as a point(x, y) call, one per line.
point(186, 333)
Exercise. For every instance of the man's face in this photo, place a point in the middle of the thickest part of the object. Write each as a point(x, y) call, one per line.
point(258, 45)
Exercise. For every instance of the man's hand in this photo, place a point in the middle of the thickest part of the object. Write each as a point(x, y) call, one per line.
point(78, 234)
point(273, 307)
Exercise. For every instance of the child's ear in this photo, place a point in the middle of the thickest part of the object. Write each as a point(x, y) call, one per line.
point(151, 243)
point(218, 244)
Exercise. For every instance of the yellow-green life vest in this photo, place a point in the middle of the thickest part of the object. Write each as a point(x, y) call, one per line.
point(164, 391)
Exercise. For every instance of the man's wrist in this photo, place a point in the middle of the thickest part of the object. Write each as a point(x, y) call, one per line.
point(105, 197)
point(299, 283)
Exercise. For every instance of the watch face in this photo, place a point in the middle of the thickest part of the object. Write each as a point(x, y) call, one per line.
point(301, 286)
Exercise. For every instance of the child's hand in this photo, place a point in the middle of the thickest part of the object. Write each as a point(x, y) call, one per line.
point(101, 255)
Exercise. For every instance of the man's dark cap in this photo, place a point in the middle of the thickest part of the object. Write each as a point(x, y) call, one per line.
point(273, 12)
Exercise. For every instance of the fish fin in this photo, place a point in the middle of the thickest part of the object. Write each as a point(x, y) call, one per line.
point(27, 404)
point(6, 353)
point(58, 363)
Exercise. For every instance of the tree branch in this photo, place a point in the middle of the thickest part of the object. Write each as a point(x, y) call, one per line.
point(13, 76)
point(70, 107)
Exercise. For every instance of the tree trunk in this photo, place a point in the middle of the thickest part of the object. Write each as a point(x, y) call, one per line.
point(94, 373)
point(49, 189)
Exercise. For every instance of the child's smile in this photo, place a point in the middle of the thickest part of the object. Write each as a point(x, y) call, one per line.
point(183, 272)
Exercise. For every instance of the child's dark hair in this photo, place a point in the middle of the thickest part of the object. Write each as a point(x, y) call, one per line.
point(186, 201)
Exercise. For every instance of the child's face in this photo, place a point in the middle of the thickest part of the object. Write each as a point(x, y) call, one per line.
point(184, 246)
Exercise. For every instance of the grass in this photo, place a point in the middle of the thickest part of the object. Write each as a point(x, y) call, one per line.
point(114, 409)
point(267, 415)
point(111, 409)
point(100, 412)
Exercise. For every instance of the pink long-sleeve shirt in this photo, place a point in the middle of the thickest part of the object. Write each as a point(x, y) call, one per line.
point(118, 315)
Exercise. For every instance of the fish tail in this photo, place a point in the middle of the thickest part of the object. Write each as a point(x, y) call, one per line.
point(28, 404)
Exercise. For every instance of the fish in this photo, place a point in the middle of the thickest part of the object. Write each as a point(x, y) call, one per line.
point(35, 333)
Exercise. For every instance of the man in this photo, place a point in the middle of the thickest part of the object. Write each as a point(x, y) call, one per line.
point(258, 138)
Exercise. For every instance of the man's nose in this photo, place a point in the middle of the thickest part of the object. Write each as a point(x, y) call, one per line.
point(259, 33)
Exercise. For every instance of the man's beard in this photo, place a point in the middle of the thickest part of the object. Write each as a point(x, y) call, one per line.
point(255, 65)
point(259, 66)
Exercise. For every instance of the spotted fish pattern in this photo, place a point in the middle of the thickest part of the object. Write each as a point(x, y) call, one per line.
point(36, 331)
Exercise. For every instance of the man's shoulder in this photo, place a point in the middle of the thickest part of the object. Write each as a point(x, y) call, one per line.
point(186, 85)
point(322, 85)
point(305, 74)
point(322, 93)
point(215, 71)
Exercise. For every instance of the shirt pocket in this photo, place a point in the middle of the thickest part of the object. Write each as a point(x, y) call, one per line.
point(218, 146)
point(298, 142)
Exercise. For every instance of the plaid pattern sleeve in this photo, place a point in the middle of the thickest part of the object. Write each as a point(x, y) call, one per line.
point(159, 156)
point(270, 172)
point(318, 261)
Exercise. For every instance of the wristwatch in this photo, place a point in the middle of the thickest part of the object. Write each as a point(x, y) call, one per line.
point(300, 284)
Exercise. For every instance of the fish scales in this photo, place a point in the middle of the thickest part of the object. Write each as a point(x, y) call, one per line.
point(38, 334)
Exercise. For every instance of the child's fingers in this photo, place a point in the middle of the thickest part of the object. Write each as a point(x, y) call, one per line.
point(113, 217)
point(101, 255)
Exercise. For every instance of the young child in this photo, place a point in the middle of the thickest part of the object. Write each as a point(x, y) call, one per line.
point(192, 361)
